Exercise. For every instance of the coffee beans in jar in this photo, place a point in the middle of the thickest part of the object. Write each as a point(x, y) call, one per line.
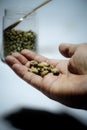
point(16, 37)
point(17, 40)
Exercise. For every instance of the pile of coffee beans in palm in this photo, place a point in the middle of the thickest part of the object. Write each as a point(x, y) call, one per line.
point(42, 68)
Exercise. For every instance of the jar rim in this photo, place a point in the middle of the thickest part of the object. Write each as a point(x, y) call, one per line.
point(17, 10)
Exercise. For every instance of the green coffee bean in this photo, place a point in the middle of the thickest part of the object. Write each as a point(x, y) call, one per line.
point(34, 70)
point(33, 63)
point(42, 68)
point(54, 71)
point(42, 64)
point(43, 73)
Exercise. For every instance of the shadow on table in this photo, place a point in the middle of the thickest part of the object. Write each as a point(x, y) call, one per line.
point(25, 119)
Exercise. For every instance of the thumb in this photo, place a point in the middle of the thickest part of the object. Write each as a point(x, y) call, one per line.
point(67, 50)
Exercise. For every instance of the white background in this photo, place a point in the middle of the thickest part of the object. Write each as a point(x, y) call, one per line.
point(59, 21)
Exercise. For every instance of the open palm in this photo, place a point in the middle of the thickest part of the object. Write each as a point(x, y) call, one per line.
point(67, 88)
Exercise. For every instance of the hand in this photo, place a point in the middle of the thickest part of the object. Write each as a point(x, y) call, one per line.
point(78, 54)
point(69, 87)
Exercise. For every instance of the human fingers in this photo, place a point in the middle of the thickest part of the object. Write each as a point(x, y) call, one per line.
point(30, 55)
point(67, 50)
point(31, 78)
point(78, 63)
point(16, 61)
point(23, 60)
point(15, 58)
point(10, 60)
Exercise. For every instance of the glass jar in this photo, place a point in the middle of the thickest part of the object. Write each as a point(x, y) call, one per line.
point(22, 36)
